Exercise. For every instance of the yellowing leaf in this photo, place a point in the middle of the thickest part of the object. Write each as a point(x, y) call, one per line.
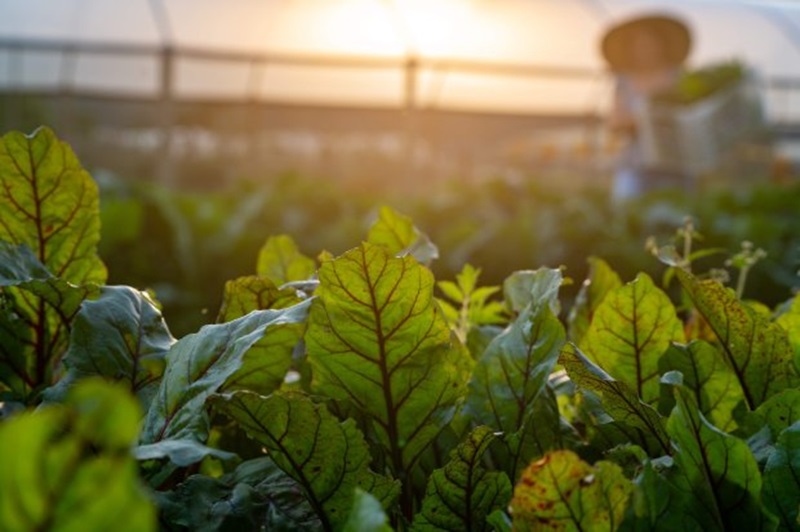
point(281, 262)
point(562, 492)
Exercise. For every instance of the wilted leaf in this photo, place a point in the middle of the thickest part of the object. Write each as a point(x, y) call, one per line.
point(705, 373)
point(631, 329)
point(68, 467)
point(601, 281)
point(756, 349)
point(328, 458)
point(200, 364)
point(562, 492)
point(246, 294)
point(782, 479)
point(397, 233)
point(717, 476)
point(376, 339)
point(461, 495)
point(619, 400)
point(120, 336)
point(281, 262)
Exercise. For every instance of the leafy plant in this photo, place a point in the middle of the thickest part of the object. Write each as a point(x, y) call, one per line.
point(340, 394)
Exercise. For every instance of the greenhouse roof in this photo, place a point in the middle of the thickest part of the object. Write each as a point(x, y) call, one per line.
point(519, 56)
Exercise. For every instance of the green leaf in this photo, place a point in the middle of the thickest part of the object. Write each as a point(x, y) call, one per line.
point(256, 495)
point(281, 262)
point(68, 467)
point(246, 294)
point(327, 458)
point(461, 495)
point(790, 321)
point(400, 237)
point(120, 336)
point(782, 479)
point(780, 411)
point(705, 373)
point(513, 372)
point(562, 492)
point(367, 514)
point(529, 287)
point(717, 476)
point(376, 339)
point(216, 358)
point(631, 329)
point(36, 310)
point(182, 453)
point(618, 399)
point(601, 281)
point(757, 350)
point(51, 205)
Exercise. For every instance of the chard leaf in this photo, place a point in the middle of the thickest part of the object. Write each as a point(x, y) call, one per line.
point(462, 494)
point(782, 479)
point(36, 310)
point(256, 495)
point(51, 205)
point(705, 373)
point(780, 411)
point(281, 262)
point(367, 514)
point(182, 453)
point(397, 233)
point(327, 458)
point(246, 294)
point(376, 339)
point(757, 350)
point(631, 329)
point(561, 491)
point(718, 478)
point(220, 356)
point(120, 336)
point(790, 321)
point(535, 288)
point(68, 467)
point(601, 281)
point(618, 399)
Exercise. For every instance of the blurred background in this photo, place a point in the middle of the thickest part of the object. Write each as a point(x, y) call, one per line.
point(213, 124)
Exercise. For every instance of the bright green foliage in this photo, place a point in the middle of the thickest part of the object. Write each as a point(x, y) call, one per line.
point(376, 339)
point(50, 204)
point(397, 233)
point(67, 467)
point(631, 329)
point(326, 457)
point(621, 403)
point(601, 281)
point(756, 349)
point(367, 514)
point(461, 495)
point(782, 479)
point(246, 294)
point(538, 287)
point(469, 305)
point(562, 492)
point(216, 358)
point(119, 336)
point(717, 478)
point(281, 262)
point(715, 386)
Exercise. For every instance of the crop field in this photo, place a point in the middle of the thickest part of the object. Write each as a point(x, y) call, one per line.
point(298, 357)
